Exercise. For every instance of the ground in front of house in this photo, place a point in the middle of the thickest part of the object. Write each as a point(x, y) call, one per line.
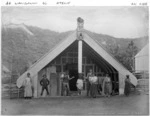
point(115, 105)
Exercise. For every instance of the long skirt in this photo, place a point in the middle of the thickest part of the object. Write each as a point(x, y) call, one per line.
point(28, 91)
point(107, 90)
point(127, 89)
point(88, 84)
point(65, 89)
point(93, 90)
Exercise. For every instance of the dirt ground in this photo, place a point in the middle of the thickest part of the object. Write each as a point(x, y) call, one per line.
point(115, 105)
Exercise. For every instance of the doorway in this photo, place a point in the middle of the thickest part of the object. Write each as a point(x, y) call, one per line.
point(73, 71)
point(72, 82)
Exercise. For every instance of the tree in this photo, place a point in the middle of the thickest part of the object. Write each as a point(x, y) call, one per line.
point(131, 51)
point(126, 57)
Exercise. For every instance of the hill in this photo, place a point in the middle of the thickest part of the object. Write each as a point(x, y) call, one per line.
point(22, 45)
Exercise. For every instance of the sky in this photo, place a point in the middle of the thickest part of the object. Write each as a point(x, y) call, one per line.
point(120, 22)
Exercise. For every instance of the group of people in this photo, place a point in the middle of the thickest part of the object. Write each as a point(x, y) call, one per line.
point(103, 85)
point(28, 86)
point(92, 82)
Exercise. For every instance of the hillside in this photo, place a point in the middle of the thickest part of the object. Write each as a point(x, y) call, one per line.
point(109, 42)
point(20, 48)
point(22, 45)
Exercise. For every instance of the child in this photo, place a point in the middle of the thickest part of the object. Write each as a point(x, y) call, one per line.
point(79, 85)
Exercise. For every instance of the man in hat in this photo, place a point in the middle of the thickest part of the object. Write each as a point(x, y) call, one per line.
point(44, 83)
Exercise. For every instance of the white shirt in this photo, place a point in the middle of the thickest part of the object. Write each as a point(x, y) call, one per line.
point(79, 83)
point(93, 79)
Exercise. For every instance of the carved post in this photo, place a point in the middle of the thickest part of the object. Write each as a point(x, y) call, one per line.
point(80, 24)
point(79, 56)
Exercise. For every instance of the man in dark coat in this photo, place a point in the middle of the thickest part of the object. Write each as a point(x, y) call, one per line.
point(44, 83)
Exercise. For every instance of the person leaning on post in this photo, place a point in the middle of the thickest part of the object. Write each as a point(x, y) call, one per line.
point(65, 81)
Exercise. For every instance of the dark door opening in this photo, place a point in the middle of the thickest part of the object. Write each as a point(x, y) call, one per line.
point(72, 83)
point(73, 71)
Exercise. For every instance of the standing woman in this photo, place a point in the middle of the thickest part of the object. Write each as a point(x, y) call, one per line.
point(107, 86)
point(28, 87)
point(88, 84)
point(93, 89)
point(127, 86)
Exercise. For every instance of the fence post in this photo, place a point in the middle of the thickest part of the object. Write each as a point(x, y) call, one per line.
point(10, 87)
point(18, 88)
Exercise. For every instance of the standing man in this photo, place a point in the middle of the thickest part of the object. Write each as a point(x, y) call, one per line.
point(44, 83)
point(66, 78)
point(88, 84)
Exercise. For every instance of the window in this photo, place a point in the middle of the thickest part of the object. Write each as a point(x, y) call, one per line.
point(84, 60)
point(88, 61)
point(64, 61)
point(75, 60)
point(58, 68)
point(70, 54)
point(75, 54)
point(64, 68)
point(53, 62)
point(58, 61)
point(70, 60)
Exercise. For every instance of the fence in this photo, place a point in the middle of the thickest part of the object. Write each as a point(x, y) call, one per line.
point(141, 74)
point(143, 80)
point(10, 90)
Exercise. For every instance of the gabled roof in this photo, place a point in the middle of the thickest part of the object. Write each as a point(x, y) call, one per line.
point(119, 67)
point(144, 51)
point(35, 68)
point(43, 61)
